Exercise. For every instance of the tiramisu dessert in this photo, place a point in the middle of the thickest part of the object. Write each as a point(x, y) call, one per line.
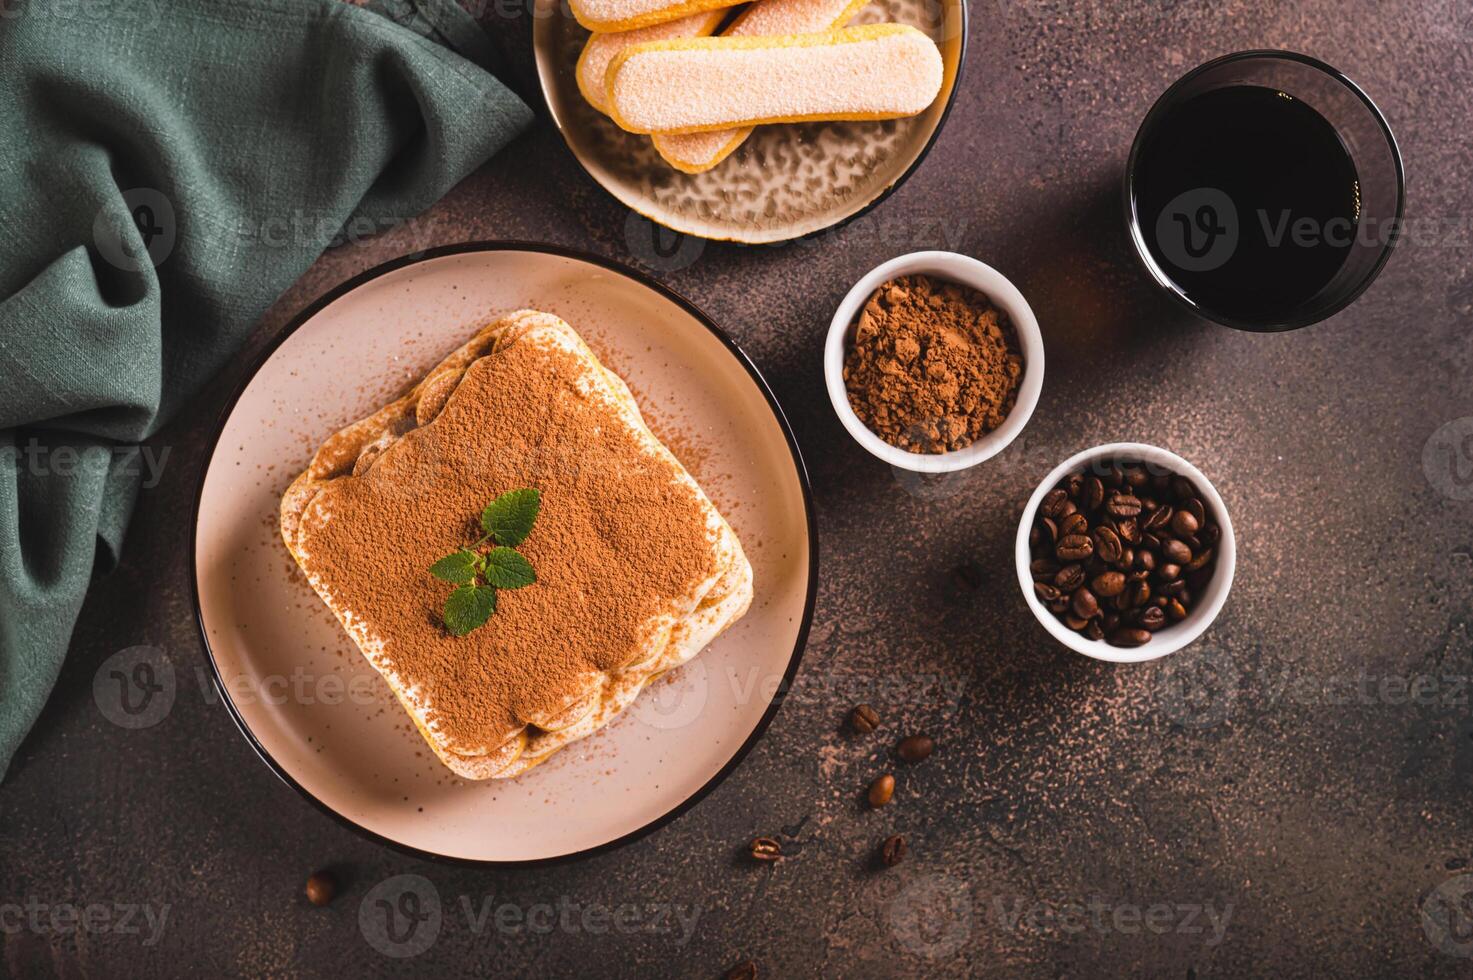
point(612, 565)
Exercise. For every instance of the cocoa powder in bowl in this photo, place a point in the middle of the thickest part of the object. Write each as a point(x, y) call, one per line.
point(933, 366)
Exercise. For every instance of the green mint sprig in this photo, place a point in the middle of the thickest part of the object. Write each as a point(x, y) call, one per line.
point(507, 521)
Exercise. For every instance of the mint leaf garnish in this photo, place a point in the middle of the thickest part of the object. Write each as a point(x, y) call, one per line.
point(459, 568)
point(509, 517)
point(507, 569)
point(468, 607)
point(507, 521)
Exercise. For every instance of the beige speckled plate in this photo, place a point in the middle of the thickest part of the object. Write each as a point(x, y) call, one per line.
point(314, 709)
point(785, 181)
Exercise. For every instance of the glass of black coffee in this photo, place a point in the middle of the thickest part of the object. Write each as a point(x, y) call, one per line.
point(1264, 191)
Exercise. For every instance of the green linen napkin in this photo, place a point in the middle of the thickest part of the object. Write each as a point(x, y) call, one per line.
point(167, 169)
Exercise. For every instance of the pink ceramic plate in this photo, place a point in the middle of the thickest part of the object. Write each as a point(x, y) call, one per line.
point(321, 717)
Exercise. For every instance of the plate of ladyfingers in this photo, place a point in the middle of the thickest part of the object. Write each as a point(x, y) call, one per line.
point(753, 122)
point(538, 555)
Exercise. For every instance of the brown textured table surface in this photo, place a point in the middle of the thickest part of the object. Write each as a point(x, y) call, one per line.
point(1291, 796)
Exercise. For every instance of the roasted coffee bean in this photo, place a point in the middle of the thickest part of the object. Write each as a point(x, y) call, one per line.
point(1046, 592)
point(1138, 594)
point(1152, 618)
point(1191, 542)
point(1075, 623)
point(1050, 530)
point(1183, 524)
point(1084, 604)
point(1139, 575)
point(766, 849)
point(321, 887)
point(1150, 542)
point(914, 748)
point(1130, 531)
point(1043, 568)
point(1127, 558)
point(1200, 562)
point(1129, 638)
point(1073, 484)
point(1094, 494)
point(1053, 503)
point(1176, 610)
point(881, 790)
point(1068, 510)
point(1176, 588)
point(1093, 631)
point(1123, 505)
point(892, 852)
point(1110, 621)
point(1167, 572)
point(1175, 551)
point(1109, 584)
point(1076, 547)
point(864, 719)
point(1135, 476)
point(1145, 559)
point(1059, 608)
point(1182, 487)
point(1069, 578)
point(1073, 524)
point(1195, 507)
point(1148, 506)
point(1161, 484)
point(742, 971)
point(1107, 544)
point(1035, 538)
point(1208, 535)
point(1160, 518)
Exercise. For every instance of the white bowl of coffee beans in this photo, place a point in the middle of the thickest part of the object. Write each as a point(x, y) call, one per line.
point(1125, 552)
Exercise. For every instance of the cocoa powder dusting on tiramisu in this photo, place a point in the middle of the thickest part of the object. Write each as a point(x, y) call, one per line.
point(618, 536)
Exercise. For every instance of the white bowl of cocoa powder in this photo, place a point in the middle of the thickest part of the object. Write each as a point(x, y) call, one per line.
point(934, 362)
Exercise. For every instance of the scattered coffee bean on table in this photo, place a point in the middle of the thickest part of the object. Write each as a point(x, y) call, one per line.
point(881, 790)
point(914, 748)
point(321, 887)
point(892, 852)
point(1122, 549)
point(766, 849)
point(864, 719)
point(743, 971)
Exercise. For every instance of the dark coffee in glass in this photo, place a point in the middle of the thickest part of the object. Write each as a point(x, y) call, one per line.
point(1245, 193)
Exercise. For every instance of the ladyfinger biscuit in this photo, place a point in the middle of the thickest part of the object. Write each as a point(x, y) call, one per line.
point(694, 85)
point(593, 63)
point(696, 153)
point(615, 16)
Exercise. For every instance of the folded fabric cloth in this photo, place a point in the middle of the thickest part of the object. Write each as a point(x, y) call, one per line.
point(167, 169)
